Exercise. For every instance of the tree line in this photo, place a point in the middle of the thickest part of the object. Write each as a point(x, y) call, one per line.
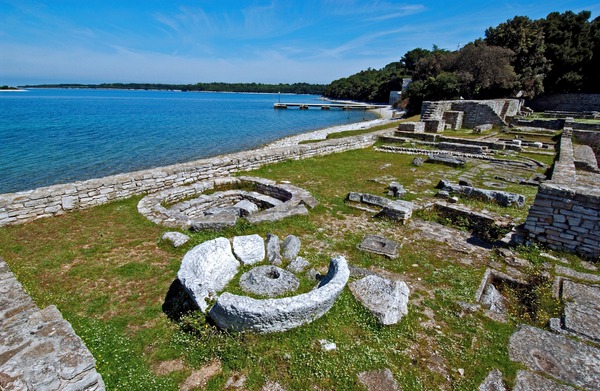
point(518, 58)
point(295, 88)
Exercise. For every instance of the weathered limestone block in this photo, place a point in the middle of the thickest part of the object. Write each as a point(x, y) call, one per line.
point(237, 313)
point(567, 360)
point(435, 126)
point(387, 300)
point(379, 245)
point(501, 197)
point(415, 127)
point(396, 190)
point(39, 349)
point(298, 265)
point(273, 249)
point(268, 280)
point(176, 238)
point(290, 247)
point(446, 160)
point(582, 314)
point(249, 249)
point(206, 269)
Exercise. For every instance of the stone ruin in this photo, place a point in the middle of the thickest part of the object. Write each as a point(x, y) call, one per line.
point(208, 268)
point(218, 203)
point(397, 210)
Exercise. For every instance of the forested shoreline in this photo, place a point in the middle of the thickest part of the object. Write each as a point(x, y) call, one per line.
point(296, 88)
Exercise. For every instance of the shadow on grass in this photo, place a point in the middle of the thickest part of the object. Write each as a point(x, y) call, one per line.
point(177, 302)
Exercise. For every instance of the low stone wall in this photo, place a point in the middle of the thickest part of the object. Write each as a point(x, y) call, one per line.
point(553, 124)
point(49, 201)
point(38, 348)
point(564, 215)
point(566, 102)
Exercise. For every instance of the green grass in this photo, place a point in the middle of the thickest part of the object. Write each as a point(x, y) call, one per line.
point(109, 273)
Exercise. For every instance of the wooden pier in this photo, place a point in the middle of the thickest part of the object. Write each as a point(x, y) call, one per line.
point(328, 106)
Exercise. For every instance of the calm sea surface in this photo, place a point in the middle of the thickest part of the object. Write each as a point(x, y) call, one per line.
point(50, 136)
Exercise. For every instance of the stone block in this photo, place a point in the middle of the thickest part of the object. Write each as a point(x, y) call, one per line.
point(206, 269)
point(435, 126)
point(386, 299)
point(415, 127)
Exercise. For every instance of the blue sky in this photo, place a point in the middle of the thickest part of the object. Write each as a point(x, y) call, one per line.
point(89, 41)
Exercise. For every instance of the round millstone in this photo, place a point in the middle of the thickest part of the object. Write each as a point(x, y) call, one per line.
point(268, 281)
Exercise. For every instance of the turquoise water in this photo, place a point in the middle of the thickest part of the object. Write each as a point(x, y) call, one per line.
point(51, 136)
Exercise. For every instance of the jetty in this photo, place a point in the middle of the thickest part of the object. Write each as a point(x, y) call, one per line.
point(328, 106)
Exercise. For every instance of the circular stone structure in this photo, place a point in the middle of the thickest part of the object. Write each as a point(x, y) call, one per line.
point(239, 313)
point(269, 280)
point(255, 199)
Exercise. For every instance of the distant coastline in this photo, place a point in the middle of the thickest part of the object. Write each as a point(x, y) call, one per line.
point(285, 88)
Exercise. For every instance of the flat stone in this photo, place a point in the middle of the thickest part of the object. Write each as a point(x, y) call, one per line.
point(273, 249)
point(379, 245)
point(396, 190)
point(290, 247)
point(206, 269)
point(565, 271)
point(235, 381)
point(493, 300)
point(446, 160)
point(493, 382)
point(246, 207)
point(269, 280)
point(39, 349)
point(249, 249)
point(582, 313)
point(529, 381)
point(387, 300)
point(298, 265)
point(381, 380)
point(176, 238)
point(572, 362)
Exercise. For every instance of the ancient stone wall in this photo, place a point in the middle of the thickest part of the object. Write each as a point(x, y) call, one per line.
point(565, 215)
point(54, 200)
point(38, 348)
point(566, 102)
point(476, 112)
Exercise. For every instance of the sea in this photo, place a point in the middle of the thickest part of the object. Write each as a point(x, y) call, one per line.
point(52, 136)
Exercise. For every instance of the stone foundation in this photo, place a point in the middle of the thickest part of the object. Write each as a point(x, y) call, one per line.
point(38, 348)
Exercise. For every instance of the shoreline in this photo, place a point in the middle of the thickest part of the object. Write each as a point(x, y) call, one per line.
point(386, 115)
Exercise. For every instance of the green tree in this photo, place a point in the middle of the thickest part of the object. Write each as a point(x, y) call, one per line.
point(525, 38)
point(484, 71)
point(568, 49)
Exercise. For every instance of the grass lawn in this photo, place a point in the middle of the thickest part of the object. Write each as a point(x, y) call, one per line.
point(108, 272)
